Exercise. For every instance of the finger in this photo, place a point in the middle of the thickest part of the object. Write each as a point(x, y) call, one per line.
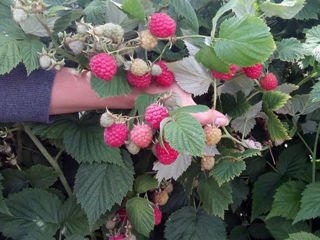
point(211, 117)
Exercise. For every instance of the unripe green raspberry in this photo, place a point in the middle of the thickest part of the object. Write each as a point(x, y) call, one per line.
point(139, 67)
point(106, 119)
point(147, 40)
point(114, 32)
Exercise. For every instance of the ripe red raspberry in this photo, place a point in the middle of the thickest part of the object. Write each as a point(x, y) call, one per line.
point(155, 114)
point(162, 25)
point(119, 237)
point(225, 76)
point(166, 155)
point(157, 216)
point(253, 72)
point(116, 134)
point(141, 135)
point(122, 214)
point(166, 78)
point(139, 81)
point(103, 66)
point(269, 82)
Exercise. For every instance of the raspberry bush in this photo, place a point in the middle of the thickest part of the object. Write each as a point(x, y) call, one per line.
point(153, 172)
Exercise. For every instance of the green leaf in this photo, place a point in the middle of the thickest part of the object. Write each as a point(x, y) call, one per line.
point(208, 58)
point(41, 176)
point(310, 203)
point(263, 191)
point(312, 40)
point(244, 8)
point(99, 186)
point(286, 201)
point(117, 86)
point(286, 9)
point(302, 236)
point(275, 127)
point(185, 134)
point(144, 100)
point(281, 228)
point(76, 237)
point(1, 187)
point(134, 8)
point(290, 50)
point(240, 107)
point(302, 105)
point(10, 27)
point(309, 11)
point(315, 93)
point(215, 199)
point(244, 41)
point(194, 224)
point(9, 54)
point(141, 215)
point(273, 100)
point(240, 192)
point(67, 20)
point(38, 235)
point(13, 180)
point(185, 9)
point(29, 51)
point(30, 210)
point(96, 12)
point(227, 170)
point(144, 183)
point(190, 109)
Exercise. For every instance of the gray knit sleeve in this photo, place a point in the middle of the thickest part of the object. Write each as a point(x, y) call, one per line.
point(25, 98)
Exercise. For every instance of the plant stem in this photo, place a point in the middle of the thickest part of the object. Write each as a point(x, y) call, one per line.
point(305, 143)
point(49, 158)
point(252, 95)
point(314, 154)
point(162, 52)
point(214, 84)
point(122, 49)
point(306, 79)
point(228, 135)
point(191, 36)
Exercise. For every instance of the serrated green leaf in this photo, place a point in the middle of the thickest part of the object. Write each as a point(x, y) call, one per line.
point(310, 203)
point(141, 215)
point(134, 8)
point(214, 199)
point(38, 235)
point(29, 51)
point(280, 228)
point(240, 107)
point(302, 236)
point(315, 93)
point(144, 183)
point(290, 50)
point(9, 54)
point(185, 134)
point(302, 105)
point(275, 127)
point(185, 9)
point(99, 186)
point(10, 27)
point(312, 41)
point(286, 9)
point(263, 191)
point(208, 58)
point(240, 190)
point(190, 109)
point(227, 170)
point(30, 210)
point(309, 11)
point(117, 86)
point(194, 224)
point(96, 12)
point(244, 8)
point(144, 100)
point(41, 176)
point(286, 201)
point(244, 41)
point(13, 180)
point(273, 100)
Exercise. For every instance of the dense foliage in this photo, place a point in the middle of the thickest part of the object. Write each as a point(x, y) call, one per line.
point(61, 180)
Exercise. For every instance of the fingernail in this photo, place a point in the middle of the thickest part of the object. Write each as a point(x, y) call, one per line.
point(220, 122)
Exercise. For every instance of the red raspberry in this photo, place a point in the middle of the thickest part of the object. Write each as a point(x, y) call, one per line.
point(116, 134)
point(154, 115)
point(122, 214)
point(162, 25)
point(141, 135)
point(119, 237)
point(166, 78)
point(253, 72)
point(225, 76)
point(166, 155)
point(157, 216)
point(269, 82)
point(103, 66)
point(139, 81)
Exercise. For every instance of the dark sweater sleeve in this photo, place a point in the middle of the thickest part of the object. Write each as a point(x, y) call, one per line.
point(25, 98)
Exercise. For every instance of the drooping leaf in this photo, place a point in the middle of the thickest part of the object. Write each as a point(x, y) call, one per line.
point(99, 186)
point(190, 224)
point(9, 54)
point(287, 88)
point(275, 127)
point(41, 176)
point(145, 182)
point(34, 27)
point(215, 199)
point(290, 50)
point(286, 201)
point(315, 93)
point(134, 8)
point(185, 9)
point(244, 8)
point(144, 100)
point(227, 170)
point(241, 46)
point(117, 86)
point(185, 134)
point(141, 215)
point(273, 100)
point(31, 210)
point(310, 203)
point(286, 9)
point(96, 12)
point(302, 236)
